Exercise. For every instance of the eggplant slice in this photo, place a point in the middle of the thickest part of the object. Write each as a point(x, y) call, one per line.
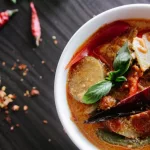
point(83, 75)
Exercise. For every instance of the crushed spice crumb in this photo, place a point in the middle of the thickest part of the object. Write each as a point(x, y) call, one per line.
point(43, 62)
point(49, 140)
point(54, 37)
point(25, 72)
point(21, 79)
point(17, 125)
point(22, 67)
point(55, 42)
point(3, 88)
point(27, 93)
point(40, 77)
point(18, 60)
point(4, 98)
point(12, 128)
point(34, 92)
point(15, 108)
point(8, 119)
point(25, 107)
point(45, 121)
point(14, 66)
point(6, 112)
point(3, 63)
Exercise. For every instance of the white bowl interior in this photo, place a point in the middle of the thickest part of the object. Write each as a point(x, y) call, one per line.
point(118, 13)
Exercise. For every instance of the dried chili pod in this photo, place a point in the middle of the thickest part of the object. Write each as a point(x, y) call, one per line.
point(135, 104)
point(108, 33)
point(35, 24)
point(5, 16)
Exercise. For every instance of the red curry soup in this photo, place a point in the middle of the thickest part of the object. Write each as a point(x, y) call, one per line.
point(108, 86)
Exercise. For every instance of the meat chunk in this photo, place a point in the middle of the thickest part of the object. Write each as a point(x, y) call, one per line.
point(107, 102)
point(133, 127)
point(83, 75)
point(141, 123)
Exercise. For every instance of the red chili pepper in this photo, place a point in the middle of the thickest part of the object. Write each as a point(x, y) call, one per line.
point(35, 25)
point(142, 32)
point(5, 16)
point(96, 53)
point(102, 36)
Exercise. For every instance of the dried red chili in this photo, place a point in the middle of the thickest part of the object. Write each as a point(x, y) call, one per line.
point(35, 24)
point(108, 33)
point(4, 16)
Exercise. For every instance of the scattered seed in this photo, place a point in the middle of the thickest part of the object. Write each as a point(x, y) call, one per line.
point(49, 140)
point(14, 66)
point(25, 107)
point(27, 93)
point(21, 79)
point(40, 77)
point(15, 108)
point(3, 88)
point(17, 125)
point(3, 63)
point(55, 42)
point(45, 121)
point(18, 60)
point(54, 37)
point(6, 112)
point(8, 119)
point(12, 128)
point(43, 62)
point(34, 92)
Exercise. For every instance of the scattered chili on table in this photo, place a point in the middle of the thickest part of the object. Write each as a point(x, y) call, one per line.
point(5, 16)
point(35, 24)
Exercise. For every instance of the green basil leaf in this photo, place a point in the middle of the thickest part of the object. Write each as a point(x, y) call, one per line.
point(14, 1)
point(112, 75)
point(122, 60)
point(121, 79)
point(97, 91)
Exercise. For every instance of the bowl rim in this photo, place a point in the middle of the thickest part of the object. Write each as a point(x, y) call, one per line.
point(60, 112)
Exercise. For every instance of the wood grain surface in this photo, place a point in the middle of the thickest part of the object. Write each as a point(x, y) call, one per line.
point(60, 18)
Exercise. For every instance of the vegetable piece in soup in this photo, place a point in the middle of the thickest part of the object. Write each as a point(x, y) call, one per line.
point(86, 73)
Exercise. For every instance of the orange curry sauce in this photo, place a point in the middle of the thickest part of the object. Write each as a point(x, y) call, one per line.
point(78, 109)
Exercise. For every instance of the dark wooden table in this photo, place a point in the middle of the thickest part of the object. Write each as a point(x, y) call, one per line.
point(60, 18)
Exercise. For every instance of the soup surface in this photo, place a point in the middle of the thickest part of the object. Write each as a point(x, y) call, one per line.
point(112, 66)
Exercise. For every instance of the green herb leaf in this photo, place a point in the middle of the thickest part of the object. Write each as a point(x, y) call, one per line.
point(121, 79)
point(97, 91)
point(112, 75)
point(14, 1)
point(122, 60)
point(121, 65)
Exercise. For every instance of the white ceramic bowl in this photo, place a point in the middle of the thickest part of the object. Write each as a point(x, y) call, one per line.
point(123, 12)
